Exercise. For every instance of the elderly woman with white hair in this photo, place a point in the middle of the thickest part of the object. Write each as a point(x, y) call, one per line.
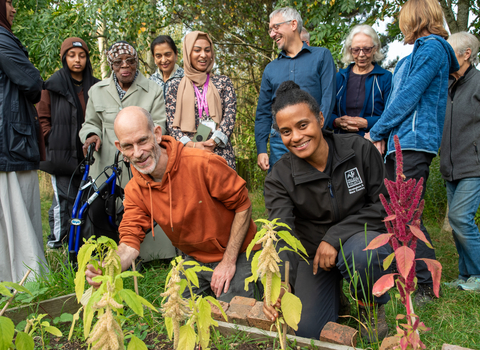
point(363, 87)
point(460, 159)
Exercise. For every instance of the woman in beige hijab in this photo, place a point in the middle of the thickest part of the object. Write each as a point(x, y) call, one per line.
point(201, 107)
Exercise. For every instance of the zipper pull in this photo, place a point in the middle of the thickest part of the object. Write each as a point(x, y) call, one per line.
point(330, 188)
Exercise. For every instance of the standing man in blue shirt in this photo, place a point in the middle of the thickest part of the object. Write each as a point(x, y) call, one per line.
point(312, 68)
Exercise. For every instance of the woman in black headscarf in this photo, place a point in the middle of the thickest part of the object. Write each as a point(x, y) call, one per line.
point(61, 112)
point(20, 218)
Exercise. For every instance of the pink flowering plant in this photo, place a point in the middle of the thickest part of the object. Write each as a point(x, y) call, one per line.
point(403, 226)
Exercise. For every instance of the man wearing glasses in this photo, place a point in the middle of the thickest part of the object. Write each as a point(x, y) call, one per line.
point(312, 68)
point(125, 87)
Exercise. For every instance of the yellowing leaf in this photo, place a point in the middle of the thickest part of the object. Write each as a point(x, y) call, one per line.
point(169, 326)
point(388, 261)
point(7, 330)
point(53, 330)
point(136, 344)
point(291, 309)
point(75, 318)
point(132, 301)
point(24, 342)
point(187, 337)
point(276, 287)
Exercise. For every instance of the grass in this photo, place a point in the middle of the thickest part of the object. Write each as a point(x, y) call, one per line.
point(454, 318)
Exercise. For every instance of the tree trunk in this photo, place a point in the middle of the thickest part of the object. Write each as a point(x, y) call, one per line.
point(460, 23)
point(150, 61)
point(102, 46)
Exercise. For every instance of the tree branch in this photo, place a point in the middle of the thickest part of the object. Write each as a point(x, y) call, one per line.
point(449, 16)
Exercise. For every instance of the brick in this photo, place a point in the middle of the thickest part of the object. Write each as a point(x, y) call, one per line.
point(216, 313)
point(238, 300)
point(389, 343)
point(339, 334)
point(453, 347)
point(256, 318)
point(239, 309)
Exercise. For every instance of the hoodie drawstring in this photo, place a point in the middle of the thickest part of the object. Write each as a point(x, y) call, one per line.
point(151, 207)
point(170, 199)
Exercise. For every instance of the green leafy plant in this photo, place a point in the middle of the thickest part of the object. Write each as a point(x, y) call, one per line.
point(7, 328)
point(196, 310)
point(106, 301)
point(265, 265)
point(37, 323)
point(403, 225)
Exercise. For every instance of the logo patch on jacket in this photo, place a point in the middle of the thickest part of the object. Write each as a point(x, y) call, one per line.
point(353, 180)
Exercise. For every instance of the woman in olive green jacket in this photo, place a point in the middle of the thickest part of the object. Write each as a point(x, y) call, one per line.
point(125, 87)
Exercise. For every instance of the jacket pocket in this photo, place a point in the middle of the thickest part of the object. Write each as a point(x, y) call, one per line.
point(22, 144)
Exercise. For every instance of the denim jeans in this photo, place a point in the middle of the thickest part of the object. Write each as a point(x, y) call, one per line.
point(320, 293)
point(277, 148)
point(463, 201)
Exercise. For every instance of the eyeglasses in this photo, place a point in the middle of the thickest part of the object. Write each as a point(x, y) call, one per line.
point(366, 50)
point(129, 62)
point(276, 26)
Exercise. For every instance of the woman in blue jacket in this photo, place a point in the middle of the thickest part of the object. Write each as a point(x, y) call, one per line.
point(415, 110)
point(363, 87)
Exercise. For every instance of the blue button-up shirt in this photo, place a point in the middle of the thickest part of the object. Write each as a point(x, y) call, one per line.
point(312, 69)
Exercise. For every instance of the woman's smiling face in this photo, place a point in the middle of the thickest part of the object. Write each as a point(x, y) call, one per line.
point(301, 131)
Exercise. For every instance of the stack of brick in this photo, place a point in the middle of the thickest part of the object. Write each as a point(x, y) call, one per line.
point(249, 312)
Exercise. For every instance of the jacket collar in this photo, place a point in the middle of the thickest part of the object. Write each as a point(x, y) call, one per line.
point(305, 47)
point(57, 84)
point(177, 72)
point(140, 82)
point(303, 172)
point(376, 70)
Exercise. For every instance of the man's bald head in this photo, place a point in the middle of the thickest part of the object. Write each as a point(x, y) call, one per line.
point(133, 115)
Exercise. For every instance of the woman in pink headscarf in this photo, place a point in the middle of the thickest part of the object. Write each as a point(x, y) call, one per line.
point(201, 100)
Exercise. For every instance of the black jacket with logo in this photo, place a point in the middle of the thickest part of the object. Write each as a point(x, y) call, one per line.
point(322, 208)
point(20, 87)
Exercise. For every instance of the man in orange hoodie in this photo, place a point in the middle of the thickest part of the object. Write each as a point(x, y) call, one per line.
point(199, 201)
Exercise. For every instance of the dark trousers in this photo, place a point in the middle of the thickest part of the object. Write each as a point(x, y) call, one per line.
point(416, 165)
point(320, 293)
point(65, 190)
point(237, 284)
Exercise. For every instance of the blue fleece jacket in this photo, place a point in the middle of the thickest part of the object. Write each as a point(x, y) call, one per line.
point(415, 110)
point(377, 90)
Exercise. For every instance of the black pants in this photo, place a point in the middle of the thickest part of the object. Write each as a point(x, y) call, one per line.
point(320, 293)
point(416, 165)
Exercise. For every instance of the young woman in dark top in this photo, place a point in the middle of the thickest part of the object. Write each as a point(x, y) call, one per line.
point(326, 189)
point(61, 112)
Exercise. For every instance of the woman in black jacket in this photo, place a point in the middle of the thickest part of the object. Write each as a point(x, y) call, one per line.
point(20, 218)
point(326, 189)
point(62, 111)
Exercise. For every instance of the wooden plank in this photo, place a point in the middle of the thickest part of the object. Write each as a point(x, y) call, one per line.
point(52, 307)
point(227, 329)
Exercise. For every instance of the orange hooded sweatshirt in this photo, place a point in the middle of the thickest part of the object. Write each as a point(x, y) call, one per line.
point(195, 203)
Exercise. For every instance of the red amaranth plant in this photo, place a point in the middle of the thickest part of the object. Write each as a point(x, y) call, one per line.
point(403, 226)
